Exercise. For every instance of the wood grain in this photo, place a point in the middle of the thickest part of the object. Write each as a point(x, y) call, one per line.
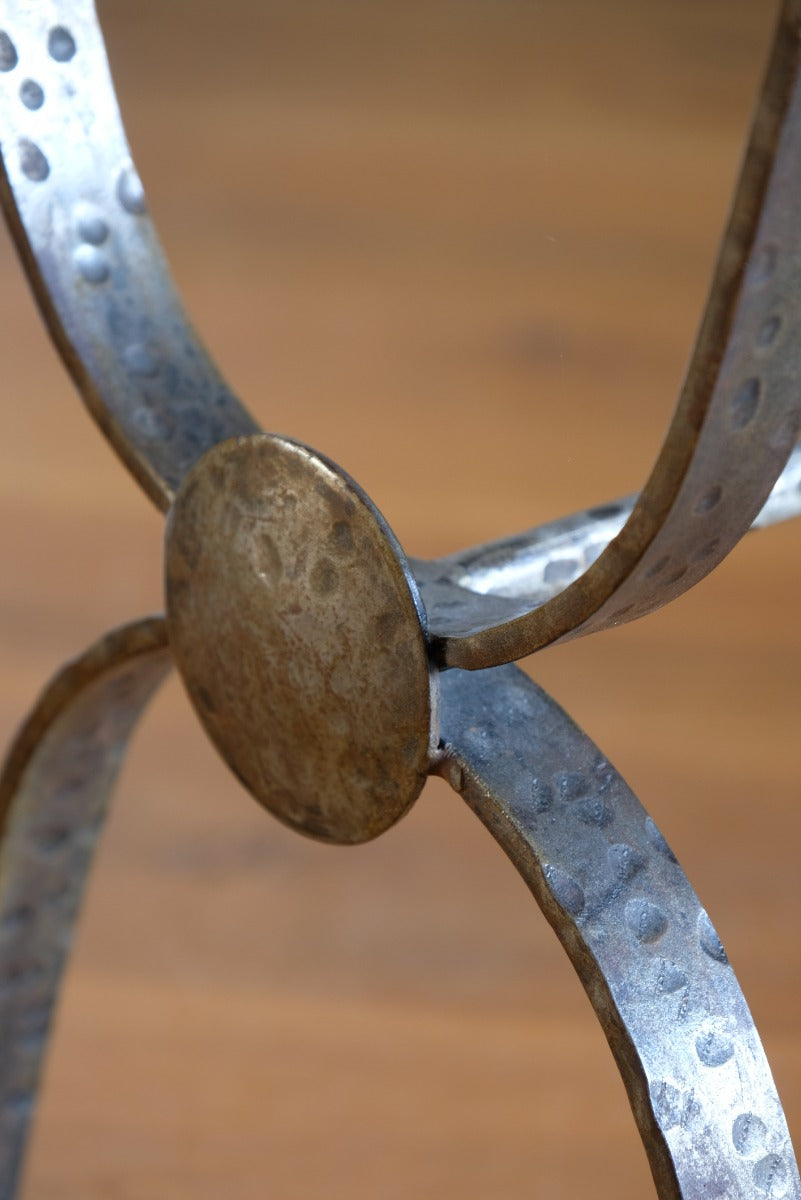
point(461, 247)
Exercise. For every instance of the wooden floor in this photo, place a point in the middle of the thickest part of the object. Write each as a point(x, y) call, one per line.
point(460, 246)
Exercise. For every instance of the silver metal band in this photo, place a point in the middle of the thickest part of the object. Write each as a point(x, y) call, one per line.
point(648, 956)
point(737, 419)
point(501, 580)
point(78, 211)
point(645, 950)
point(79, 215)
point(54, 794)
point(643, 947)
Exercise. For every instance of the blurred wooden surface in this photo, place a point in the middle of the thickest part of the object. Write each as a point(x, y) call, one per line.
point(460, 246)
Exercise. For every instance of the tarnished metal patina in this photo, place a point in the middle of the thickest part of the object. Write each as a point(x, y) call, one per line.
point(298, 627)
point(268, 544)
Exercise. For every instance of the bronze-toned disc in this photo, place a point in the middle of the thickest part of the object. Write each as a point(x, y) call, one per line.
point(299, 633)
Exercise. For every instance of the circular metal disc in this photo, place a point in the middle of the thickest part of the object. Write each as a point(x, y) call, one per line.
point(299, 634)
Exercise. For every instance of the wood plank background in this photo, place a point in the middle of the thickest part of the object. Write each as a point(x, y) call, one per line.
point(461, 246)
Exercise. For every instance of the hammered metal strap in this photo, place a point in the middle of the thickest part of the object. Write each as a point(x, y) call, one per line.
point(739, 413)
point(78, 212)
point(54, 793)
point(646, 952)
point(502, 579)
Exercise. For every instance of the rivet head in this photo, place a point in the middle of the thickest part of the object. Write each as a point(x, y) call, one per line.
point(298, 631)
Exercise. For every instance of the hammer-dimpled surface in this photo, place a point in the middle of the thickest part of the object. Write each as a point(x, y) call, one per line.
point(297, 629)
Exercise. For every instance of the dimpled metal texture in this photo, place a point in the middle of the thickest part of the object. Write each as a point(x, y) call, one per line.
point(505, 577)
point(54, 794)
point(305, 647)
point(645, 950)
point(78, 212)
point(298, 632)
point(736, 422)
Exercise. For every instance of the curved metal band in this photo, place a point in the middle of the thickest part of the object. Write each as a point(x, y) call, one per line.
point(649, 959)
point(54, 794)
point(738, 416)
point(78, 214)
point(652, 965)
point(501, 580)
point(646, 953)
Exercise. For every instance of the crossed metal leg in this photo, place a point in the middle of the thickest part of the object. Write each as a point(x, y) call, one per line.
point(329, 670)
